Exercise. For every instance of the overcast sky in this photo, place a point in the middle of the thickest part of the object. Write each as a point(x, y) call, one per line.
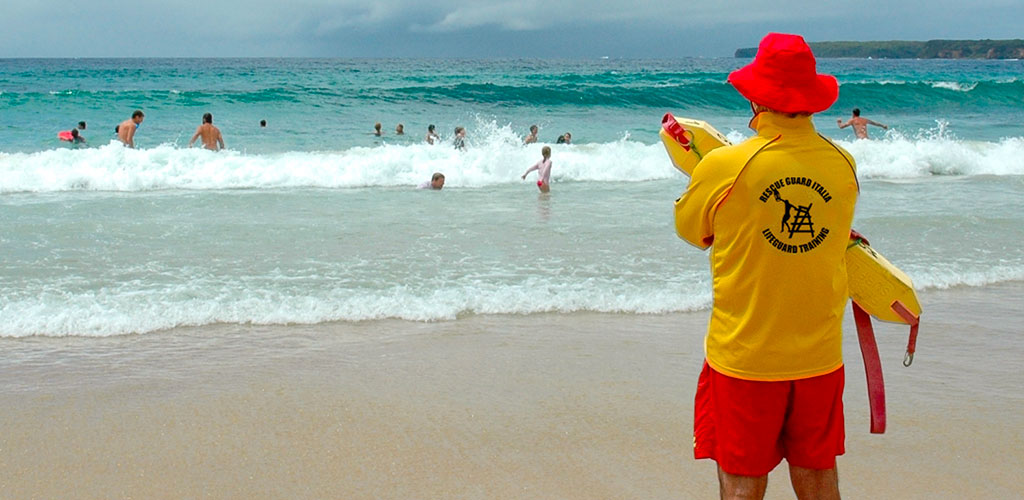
point(466, 28)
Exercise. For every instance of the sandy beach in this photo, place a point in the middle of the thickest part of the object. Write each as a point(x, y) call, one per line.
point(573, 406)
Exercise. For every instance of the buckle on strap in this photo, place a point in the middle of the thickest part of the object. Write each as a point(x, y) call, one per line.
point(914, 321)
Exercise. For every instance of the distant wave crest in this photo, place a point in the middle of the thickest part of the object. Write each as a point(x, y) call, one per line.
point(495, 156)
point(935, 152)
point(682, 91)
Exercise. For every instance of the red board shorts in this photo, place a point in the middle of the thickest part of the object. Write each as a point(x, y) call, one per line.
point(540, 183)
point(748, 426)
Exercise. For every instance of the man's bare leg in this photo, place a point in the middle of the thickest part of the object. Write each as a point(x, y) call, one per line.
point(815, 484)
point(735, 487)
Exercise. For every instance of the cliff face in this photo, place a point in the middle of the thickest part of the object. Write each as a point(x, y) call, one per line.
point(932, 49)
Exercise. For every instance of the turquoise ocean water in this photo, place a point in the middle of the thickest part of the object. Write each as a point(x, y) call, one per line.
point(312, 219)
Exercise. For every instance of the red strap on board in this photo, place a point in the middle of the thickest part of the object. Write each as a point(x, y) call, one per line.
point(872, 368)
point(854, 235)
point(913, 320)
point(869, 351)
point(675, 130)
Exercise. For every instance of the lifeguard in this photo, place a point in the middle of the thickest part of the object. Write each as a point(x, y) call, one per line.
point(772, 383)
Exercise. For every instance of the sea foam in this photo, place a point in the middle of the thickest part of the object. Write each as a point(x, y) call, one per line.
point(935, 152)
point(495, 161)
point(127, 308)
point(492, 159)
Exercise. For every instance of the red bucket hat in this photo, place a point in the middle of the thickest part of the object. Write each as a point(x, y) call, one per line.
point(784, 77)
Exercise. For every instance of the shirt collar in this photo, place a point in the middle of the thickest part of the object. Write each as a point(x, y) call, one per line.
point(771, 124)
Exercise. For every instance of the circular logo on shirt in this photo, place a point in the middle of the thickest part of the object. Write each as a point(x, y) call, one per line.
point(794, 199)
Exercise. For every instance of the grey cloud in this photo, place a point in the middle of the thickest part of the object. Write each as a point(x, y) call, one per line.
point(410, 28)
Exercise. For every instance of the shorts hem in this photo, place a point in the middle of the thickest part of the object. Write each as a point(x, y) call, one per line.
point(815, 466)
point(730, 469)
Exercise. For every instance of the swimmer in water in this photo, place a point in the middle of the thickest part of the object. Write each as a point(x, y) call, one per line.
point(432, 135)
point(532, 138)
point(436, 182)
point(71, 136)
point(543, 168)
point(126, 130)
point(460, 138)
point(210, 135)
point(860, 124)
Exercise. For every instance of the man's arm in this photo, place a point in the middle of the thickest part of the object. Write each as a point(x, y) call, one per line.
point(843, 125)
point(195, 136)
point(220, 139)
point(130, 136)
point(695, 209)
point(878, 124)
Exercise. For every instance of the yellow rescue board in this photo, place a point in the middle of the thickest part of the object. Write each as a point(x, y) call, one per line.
point(879, 287)
point(695, 139)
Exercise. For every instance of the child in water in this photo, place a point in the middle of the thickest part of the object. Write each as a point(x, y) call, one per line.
point(543, 168)
point(460, 138)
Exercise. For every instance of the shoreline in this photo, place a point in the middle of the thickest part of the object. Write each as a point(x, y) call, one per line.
point(582, 405)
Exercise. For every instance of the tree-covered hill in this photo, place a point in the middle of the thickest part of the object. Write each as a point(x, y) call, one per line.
point(899, 49)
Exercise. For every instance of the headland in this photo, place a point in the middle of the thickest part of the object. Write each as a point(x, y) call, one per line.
point(903, 49)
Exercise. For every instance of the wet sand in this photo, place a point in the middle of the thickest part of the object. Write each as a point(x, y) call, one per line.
point(577, 406)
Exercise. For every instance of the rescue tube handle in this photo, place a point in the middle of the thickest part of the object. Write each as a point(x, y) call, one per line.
point(675, 130)
point(856, 237)
point(914, 321)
